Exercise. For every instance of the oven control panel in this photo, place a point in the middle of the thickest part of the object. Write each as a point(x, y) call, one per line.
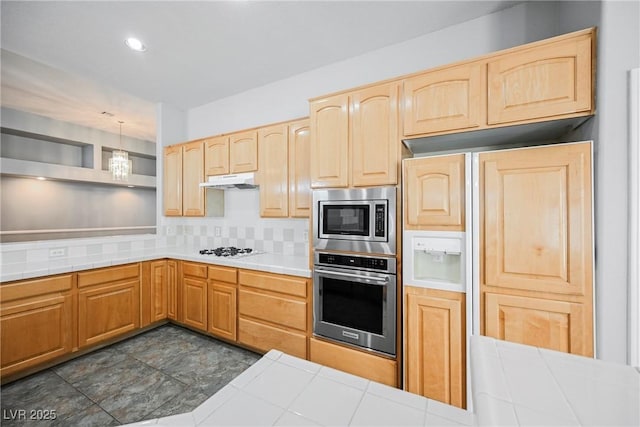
point(354, 261)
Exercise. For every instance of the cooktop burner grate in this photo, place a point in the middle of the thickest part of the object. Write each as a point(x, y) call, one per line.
point(229, 251)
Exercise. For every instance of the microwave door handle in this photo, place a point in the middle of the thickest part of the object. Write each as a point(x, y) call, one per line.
point(354, 276)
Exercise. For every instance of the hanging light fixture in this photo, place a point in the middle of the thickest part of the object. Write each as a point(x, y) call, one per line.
point(119, 163)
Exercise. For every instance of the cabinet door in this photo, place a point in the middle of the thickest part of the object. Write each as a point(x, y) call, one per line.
point(172, 184)
point(193, 175)
point(158, 295)
point(445, 100)
point(330, 142)
point(222, 310)
point(243, 152)
point(557, 325)
point(299, 174)
point(536, 226)
point(434, 193)
point(172, 289)
point(435, 345)
point(34, 330)
point(375, 141)
point(554, 79)
point(194, 302)
point(274, 174)
point(216, 156)
point(108, 310)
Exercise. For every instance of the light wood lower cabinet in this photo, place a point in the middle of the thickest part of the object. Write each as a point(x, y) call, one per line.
point(108, 303)
point(435, 344)
point(153, 292)
point(222, 304)
point(172, 289)
point(273, 312)
point(193, 292)
point(36, 318)
point(375, 368)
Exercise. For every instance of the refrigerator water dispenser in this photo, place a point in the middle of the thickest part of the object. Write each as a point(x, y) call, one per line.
point(435, 261)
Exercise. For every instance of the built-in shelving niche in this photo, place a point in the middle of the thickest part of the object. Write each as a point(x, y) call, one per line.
point(78, 197)
point(30, 154)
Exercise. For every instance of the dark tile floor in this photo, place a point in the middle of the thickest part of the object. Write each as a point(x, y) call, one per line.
point(168, 370)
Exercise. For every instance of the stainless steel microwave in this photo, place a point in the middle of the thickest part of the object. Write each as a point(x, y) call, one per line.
point(355, 220)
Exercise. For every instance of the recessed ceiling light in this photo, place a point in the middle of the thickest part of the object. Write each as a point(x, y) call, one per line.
point(135, 44)
point(131, 186)
point(41, 178)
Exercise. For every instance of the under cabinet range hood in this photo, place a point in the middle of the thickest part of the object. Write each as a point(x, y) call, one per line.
point(239, 180)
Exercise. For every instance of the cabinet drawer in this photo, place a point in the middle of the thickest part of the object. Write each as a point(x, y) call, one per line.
point(224, 274)
point(366, 365)
point(193, 269)
point(111, 274)
point(265, 338)
point(281, 311)
point(296, 286)
point(30, 288)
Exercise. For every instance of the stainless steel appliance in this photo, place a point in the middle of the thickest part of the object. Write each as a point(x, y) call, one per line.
point(355, 220)
point(354, 300)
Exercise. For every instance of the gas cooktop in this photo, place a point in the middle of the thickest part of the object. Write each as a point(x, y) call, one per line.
point(229, 251)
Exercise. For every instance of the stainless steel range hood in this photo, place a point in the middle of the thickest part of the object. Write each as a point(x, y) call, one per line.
point(239, 180)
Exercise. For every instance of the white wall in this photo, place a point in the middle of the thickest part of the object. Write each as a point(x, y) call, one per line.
point(287, 99)
point(619, 52)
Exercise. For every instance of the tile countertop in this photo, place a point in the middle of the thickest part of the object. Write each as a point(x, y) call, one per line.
point(515, 384)
point(283, 390)
point(294, 265)
point(512, 385)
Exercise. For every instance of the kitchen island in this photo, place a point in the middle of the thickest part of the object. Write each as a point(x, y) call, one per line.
point(512, 384)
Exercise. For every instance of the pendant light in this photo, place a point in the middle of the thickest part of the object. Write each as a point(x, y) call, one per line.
point(119, 163)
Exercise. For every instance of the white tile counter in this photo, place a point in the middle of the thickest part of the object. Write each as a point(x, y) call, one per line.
point(282, 390)
point(515, 384)
point(273, 263)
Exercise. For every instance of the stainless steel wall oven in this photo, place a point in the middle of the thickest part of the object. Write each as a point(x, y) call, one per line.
point(354, 300)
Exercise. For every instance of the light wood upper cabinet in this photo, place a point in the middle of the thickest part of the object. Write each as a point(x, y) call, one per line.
point(329, 123)
point(434, 193)
point(274, 176)
point(216, 156)
point(374, 135)
point(108, 303)
point(553, 79)
point(243, 152)
point(299, 169)
point(192, 175)
point(435, 344)
point(448, 99)
point(36, 318)
point(172, 183)
point(536, 238)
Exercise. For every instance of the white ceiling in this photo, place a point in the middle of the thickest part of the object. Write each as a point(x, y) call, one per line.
point(73, 63)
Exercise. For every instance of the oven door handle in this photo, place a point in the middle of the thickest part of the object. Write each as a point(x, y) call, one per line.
point(378, 279)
